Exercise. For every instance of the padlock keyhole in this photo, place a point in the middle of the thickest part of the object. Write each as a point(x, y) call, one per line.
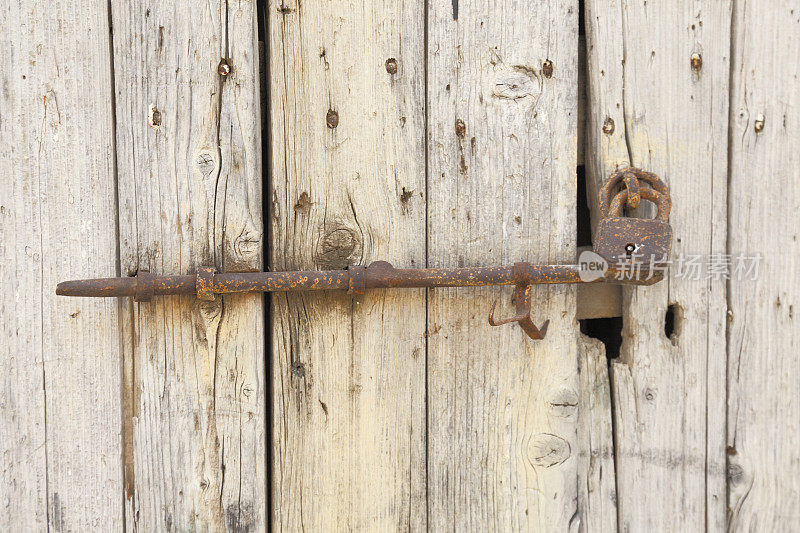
point(630, 248)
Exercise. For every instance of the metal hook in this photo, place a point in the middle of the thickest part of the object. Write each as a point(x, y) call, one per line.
point(522, 301)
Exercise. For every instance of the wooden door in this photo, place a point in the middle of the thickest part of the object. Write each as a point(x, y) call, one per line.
point(282, 135)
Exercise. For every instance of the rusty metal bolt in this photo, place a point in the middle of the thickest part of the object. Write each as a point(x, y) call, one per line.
point(332, 119)
point(461, 128)
point(224, 67)
point(155, 118)
point(547, 68)
point(758, 125)
point(391, 65)
point(608, 126)
point(697, 62)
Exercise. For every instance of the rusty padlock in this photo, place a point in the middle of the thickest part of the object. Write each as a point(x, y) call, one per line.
point(620, 239)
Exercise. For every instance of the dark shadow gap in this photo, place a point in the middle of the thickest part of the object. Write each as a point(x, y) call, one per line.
point(730, 443)
point(584, 217)
point(606, 330)
point(266, 174)
point(125, 373)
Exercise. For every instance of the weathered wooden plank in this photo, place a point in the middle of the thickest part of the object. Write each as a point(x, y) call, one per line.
point(189, 166)
point(597, 490)
point(670, 118)
point(763, 368)
point(502, 413)
point(59, 386)
point(348, 186)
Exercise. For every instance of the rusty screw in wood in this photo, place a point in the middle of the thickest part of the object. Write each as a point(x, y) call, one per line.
point(697, 62)
point(332, 119)
point(461, 128)
point(391, 65)
point(155, 118)
point(608, 126)
point(758, 125)
point(547, 68)
point(224, 67)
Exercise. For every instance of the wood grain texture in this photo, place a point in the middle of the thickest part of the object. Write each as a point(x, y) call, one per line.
point(60, 448)
point(670, 119)
point(597, 490)
point(502, 409)
point(189, 166)
point(763, 367)
point(348, 186)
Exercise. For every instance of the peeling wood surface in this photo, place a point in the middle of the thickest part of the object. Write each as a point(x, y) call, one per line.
point(60, 360)
point(763, 366)
point(502, 411)
point(189, 167)
point(671, 119)
point(348, 186)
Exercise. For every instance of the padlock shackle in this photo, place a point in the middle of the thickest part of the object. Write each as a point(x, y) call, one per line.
point(629, 177)
point(662, 203)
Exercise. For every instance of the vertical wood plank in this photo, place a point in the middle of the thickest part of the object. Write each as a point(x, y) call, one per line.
point(597, 489)
point(348, 186)
point(59, 391)
point(763, 368)
point(189, 165)
point(502, 142)
point(667, 117)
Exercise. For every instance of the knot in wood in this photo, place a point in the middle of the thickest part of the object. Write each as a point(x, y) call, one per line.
point(247, 244)
point(337, 247)
point(205, 163)
point(546, 450)
point(517, 82)
point(303, 203)
point(564, 402)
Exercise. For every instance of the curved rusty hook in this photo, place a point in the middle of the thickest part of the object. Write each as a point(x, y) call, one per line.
point(522, 301)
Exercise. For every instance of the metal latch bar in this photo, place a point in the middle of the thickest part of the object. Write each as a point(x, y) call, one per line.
point(618, 239)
